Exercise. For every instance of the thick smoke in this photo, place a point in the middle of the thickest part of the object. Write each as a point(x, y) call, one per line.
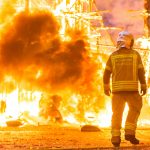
point(125, 14)
point(33, 52)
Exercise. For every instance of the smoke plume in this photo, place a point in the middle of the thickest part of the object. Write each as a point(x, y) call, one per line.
point(123, 14)
point(33, 52)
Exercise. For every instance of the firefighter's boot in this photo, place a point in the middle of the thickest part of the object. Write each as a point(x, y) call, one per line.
point(116, 140)
point(132, 139)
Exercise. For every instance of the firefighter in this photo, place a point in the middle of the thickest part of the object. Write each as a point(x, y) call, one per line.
point(126, 69)
point(49, 108)
point(54, 109)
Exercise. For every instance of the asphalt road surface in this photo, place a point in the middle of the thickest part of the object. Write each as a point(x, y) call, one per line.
point(68, 137)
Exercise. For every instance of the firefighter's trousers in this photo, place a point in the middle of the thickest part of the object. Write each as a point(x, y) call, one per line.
point(134, 101)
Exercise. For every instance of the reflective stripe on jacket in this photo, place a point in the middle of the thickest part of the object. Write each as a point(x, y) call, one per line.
point(124, 65)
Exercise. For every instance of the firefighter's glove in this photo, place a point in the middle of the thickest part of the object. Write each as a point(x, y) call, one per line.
point(107, 92)
point(143, 90)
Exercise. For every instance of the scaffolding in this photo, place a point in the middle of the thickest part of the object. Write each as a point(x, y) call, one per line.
point(77, 14)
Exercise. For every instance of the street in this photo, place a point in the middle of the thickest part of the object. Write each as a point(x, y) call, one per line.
point(64, 138)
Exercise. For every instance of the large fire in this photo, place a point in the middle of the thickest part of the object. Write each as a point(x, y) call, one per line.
point(51, 69)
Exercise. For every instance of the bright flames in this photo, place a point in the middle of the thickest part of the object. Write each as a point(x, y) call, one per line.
point(43, 90)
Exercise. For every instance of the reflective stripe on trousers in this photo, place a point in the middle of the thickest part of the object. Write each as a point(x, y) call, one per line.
point(134, 101)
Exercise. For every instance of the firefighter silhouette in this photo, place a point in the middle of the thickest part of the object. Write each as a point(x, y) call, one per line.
point(49, 108)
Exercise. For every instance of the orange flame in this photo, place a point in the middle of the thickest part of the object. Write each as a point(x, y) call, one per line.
point(51, 61)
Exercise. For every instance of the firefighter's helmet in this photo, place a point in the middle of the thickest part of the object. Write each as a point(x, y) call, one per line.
point(125, 35)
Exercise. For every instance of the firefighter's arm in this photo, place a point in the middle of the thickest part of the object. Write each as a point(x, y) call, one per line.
point(106, 82)
point(141, 75)
point(106, 77)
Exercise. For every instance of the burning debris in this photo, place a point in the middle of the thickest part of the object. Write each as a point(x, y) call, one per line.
point(35, 57)
point(90, 128)
point(14, 123)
